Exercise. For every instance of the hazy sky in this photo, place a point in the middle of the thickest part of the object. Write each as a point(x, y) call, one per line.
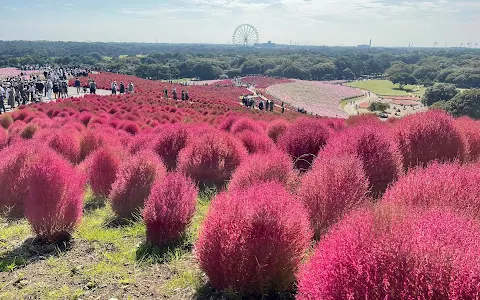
point(314, 22)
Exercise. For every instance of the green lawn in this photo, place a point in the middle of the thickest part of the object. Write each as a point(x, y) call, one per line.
point(386, 88)
point(105, 260)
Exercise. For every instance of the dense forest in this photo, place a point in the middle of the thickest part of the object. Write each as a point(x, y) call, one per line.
point(459, 66)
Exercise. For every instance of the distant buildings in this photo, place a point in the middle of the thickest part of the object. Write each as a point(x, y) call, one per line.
point(365, 46)
point(268, 44)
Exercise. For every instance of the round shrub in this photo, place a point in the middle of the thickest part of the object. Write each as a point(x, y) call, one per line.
point(65, 143)
point(227, 123)
point(276, 128)
point(3, 138)
point(55, 197)
point(169, 209)
point(13, 180)
point(92, 140)
point(423, 255)
point(29, 131)
point(255, 142)
point(253, 240)
point(211, 158)
point(470, 130)
point(246, 124)
point(334, 186)
point(6, 120)
point(130, 127)
point(262, 168)
point(169, 142)
point(303, 140)
point(102, 167)
point(141, 142)
point(133, 183)
point(427, 137)
point(374, 147)
point(439, 185)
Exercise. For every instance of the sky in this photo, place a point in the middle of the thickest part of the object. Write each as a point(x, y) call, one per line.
point(305, 22)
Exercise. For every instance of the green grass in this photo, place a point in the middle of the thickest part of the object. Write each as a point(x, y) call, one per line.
point(103, 253)
point(387, 88)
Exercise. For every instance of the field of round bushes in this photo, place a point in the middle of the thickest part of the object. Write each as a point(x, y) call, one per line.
point(319, 208)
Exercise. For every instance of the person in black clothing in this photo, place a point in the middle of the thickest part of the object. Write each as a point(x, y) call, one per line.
point(272, 105)
point(260, 105)
point(183, 95)
point(56, 89)
point(186, 96)
point(122, 88)
point(77, 85)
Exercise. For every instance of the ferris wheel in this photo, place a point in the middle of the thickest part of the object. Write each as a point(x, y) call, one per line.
point(245, 35)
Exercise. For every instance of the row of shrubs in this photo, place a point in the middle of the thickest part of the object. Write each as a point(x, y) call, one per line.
point(288, 184)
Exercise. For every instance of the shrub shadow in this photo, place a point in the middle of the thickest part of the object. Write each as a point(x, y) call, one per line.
point(150, 254)
point(118, 222)
point(31, 251)
point(94, 203)
point(207, 292)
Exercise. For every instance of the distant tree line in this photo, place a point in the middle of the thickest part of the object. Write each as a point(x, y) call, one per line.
point(460, 67)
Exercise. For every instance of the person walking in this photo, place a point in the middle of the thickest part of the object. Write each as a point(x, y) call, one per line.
point(131, 88)
point(49, 88)
point(56, 89)
point(122, 88)
point(93, 87)
point(78, 85)
point(114, 88)
point(11, 97)
point(2, 100)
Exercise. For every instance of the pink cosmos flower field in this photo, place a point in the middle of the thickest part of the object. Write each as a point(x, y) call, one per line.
point(317, 97)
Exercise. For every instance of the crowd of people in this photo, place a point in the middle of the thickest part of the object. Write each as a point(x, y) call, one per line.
point(266, 105)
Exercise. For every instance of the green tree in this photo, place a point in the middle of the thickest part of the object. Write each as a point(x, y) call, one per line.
point(440, 92)
point(402, 79)
point(466, 103)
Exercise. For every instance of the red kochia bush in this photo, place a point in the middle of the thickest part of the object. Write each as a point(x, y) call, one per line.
point(14, 187)
point(133, 182)
point(65, 143)
point(211, 158)
point(102, 168)
point(470, 130)
point(246, 124)
point(427, 137)
point(303, 140)
point(253, 240)
point(262, 168)
point(55, 199)
point(373, 146)
point(439, 185)
point(169, 142)
point(332, 188)
point(276, 128)
point(3, 138)
point(6, 120)
point(255, 142)
point(169, 209)
point(93, 140)
point(423, 255)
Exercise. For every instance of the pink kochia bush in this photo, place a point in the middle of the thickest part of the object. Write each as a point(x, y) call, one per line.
point(439, 185)
point(134, 181)
point(169, 142)
point(470, 130)
point(55, 196)
point(65, 143)
point(303, 140)
point(253, 240)
point(255, 142)
point(262, 168)
point(169, 209)
point(374, 147)
point(427, 137)
point(276, 128)
point(211, 158)
point(13, 179)
point(246, 124)
point(374, 255)
point(102, 167)
point(334, 186)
